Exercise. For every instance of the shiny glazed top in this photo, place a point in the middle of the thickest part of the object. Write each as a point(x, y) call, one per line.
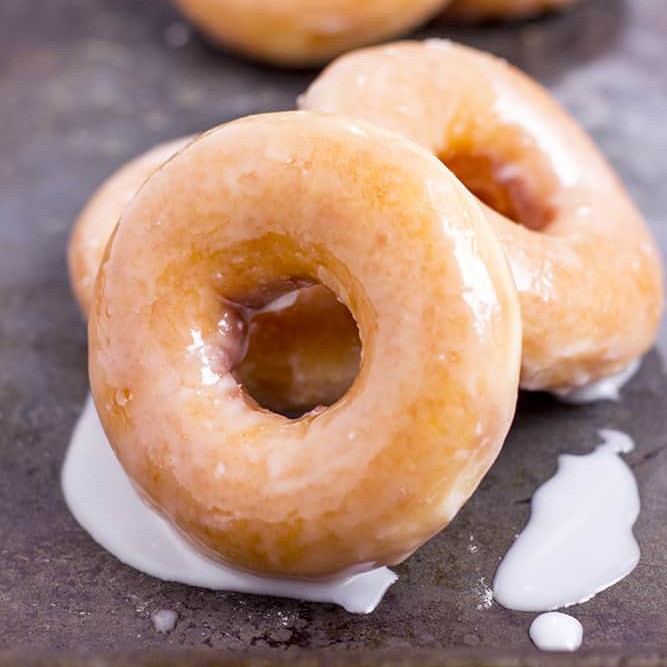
point(587, 269)
point(298, 357)
point(96, 222)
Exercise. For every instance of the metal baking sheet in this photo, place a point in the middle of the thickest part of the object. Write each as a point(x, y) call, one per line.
point(86, 84)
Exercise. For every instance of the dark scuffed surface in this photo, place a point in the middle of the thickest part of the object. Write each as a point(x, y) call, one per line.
point(86, 84)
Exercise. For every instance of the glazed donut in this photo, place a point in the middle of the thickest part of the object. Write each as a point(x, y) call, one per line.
point(298, 33)
point(586, 267)
point(498, 10)
point(301, 356)
point(241, 215)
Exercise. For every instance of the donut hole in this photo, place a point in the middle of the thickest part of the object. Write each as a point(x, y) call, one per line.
point(303, 352)
point(504, 188)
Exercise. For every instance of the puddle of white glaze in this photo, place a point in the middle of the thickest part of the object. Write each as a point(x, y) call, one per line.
point(579, 538)
point(102, 500)
point(555, 631)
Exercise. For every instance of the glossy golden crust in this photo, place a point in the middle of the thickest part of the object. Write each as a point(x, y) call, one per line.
point(499, 10)
point(296, 33)
point(97, 220)
point(297, 358)
point(244, 211)
point(587, 269)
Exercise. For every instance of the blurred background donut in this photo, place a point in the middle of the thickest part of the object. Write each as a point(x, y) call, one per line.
point(299, 33)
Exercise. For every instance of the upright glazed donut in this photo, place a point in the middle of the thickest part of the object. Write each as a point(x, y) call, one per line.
point(305, 32)
point(587, 269)
point(494, 10)
point(299, 356)
point(242, 212)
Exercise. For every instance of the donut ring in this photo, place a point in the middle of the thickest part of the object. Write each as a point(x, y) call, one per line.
point(499, 10)
point(298, 33)
point(243, 211)
point(587, 269)
point(303, 355)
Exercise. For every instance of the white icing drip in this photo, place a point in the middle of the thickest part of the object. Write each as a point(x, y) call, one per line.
point(555, 631)
point(287, 300)
point(606, 389)
point(579, 538)
point(102, 500)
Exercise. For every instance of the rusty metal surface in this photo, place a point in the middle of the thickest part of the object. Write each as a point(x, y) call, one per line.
point(85, 84)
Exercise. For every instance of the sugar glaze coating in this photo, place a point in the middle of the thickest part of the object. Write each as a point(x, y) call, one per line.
point(294, 359)
point(244, 211)
point(588, 271)
point(97, 220)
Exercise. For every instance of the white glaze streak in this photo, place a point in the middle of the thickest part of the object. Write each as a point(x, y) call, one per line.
point(579, 538)
point(605, 389)
point(102, 500)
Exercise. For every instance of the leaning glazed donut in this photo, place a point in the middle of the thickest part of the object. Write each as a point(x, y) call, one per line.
point(298, 198)
point(301, 355)
point(495, 10)
point(586, 267)
point(305, 32)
